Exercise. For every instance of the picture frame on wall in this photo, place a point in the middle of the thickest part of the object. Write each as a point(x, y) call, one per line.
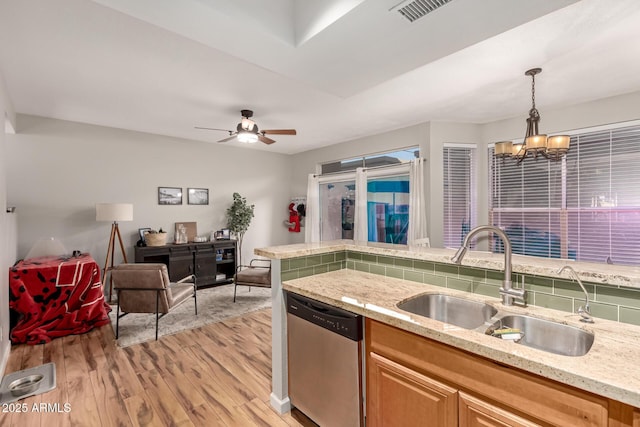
point(169, 195)
point(198, 196)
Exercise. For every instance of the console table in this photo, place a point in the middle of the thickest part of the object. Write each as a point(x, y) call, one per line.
point(211, 262)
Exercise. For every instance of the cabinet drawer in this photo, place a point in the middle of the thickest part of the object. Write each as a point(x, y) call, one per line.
point(180, 251)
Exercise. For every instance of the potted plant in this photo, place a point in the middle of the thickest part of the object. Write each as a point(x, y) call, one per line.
point(239, 216)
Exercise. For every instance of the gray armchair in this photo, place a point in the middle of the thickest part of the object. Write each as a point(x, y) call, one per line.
point(146, 288)
point(257, 273)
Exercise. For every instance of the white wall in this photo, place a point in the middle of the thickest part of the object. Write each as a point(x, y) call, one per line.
point(442, 133)
point(59, 170)
point(7, 229)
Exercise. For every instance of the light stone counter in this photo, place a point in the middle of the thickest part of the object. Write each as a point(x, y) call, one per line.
point(617, 275)
point(610, 368)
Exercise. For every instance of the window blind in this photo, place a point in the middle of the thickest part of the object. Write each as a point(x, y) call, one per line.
point(585, 207)
point(458, 203)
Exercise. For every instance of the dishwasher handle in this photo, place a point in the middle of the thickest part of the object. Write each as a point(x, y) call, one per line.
point(326, 316)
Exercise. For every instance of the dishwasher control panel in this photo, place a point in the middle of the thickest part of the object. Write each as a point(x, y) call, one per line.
point(327, 316)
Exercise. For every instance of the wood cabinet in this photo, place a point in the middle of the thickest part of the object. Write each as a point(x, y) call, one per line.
point(412, 380)
point(476, 412)
point(400, 396)
point(211, 262)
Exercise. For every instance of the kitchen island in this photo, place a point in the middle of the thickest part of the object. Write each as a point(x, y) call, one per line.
point(607, 370)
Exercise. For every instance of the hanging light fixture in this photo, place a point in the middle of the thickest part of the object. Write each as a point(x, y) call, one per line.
point(247, 136)
point(535, 143)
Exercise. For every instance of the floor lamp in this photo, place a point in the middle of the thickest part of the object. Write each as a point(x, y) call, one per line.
point(113, 212)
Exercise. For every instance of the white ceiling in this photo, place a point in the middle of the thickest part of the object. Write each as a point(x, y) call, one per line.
point(335, 70)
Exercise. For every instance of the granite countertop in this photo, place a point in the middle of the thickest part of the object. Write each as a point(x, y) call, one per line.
point(617, 275)
point(608, 369)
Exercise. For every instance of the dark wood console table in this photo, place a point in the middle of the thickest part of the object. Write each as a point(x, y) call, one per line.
point(212, 262)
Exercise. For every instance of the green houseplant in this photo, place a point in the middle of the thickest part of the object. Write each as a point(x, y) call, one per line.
point(239, 216)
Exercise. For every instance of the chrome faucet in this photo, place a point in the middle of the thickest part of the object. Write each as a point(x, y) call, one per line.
point(506, 291)
point(583, 311)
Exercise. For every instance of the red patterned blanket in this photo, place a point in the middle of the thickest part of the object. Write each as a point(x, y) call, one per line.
point(56, 296)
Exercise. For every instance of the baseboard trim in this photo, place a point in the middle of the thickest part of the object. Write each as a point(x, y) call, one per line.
point(280, 405)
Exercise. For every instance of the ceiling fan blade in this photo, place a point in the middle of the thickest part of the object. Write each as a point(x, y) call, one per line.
point(224, 130)
point(279, 131)
point(265, 139)
point(228, 139)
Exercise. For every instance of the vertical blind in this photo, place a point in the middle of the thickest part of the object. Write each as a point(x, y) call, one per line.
point(584, 207)
point(458, 196)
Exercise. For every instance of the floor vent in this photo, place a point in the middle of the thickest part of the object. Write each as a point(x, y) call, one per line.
point(416, 9)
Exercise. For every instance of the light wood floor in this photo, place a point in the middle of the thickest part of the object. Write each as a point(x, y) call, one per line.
point(217, 375)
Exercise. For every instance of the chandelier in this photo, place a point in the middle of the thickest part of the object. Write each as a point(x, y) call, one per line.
point(534, 144)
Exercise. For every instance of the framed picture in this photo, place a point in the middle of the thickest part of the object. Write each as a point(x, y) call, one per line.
point(141, 232)
point(169, 196)
point(198, 196)
point(223, 234)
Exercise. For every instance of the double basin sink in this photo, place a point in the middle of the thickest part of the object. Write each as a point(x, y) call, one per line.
point(529, 331)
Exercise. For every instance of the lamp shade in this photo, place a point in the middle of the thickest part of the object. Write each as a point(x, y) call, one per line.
point(114, 212)
point(558, 143)
point(503, 148)
point(535, 142)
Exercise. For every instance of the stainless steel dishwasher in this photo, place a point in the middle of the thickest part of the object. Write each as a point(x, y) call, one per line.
point(325, 368)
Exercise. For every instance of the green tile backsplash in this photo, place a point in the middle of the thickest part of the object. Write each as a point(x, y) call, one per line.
point(607, 302)
point(296, 268)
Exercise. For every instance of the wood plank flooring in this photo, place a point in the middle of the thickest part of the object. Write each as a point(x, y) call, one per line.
point(217, 375)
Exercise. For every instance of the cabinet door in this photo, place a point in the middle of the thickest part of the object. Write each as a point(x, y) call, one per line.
point(180, 263)
point(475, 412)
point(205, 263)
point(399, 396)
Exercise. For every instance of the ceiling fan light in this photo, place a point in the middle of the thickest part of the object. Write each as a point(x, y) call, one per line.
point(248, 137)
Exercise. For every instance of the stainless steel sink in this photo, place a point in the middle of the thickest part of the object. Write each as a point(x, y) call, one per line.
point(547, 336)
point(449, 309)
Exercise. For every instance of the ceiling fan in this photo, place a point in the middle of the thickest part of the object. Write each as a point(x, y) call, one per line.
point(247, 130)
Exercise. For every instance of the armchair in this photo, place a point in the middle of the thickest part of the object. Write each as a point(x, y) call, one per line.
point(146, 288)
point(257, 273)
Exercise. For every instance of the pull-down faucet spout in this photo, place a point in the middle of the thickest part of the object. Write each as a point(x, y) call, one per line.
point(506, 291)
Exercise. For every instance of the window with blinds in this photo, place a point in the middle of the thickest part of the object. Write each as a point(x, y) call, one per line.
point(585, 207)
point(458, 200)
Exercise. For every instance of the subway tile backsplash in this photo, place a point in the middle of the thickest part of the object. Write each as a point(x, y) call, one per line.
point(607, 302)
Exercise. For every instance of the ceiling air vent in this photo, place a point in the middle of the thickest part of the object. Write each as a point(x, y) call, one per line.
point(416, 9)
